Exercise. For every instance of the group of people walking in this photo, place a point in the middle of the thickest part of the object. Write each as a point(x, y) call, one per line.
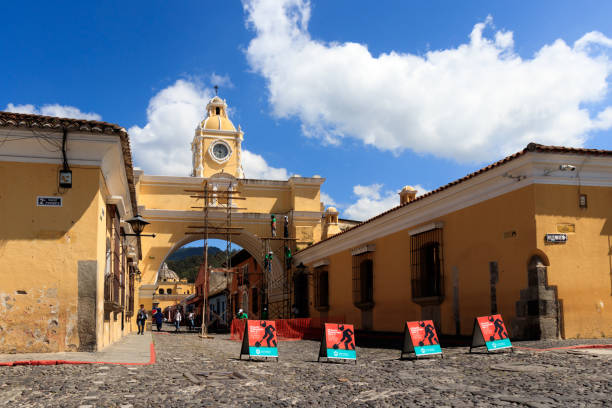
point(158, 317)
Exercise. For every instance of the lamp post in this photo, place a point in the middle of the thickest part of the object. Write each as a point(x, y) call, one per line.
point(138, 225)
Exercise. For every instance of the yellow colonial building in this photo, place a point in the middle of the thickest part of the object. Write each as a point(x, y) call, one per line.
point(528, 237)
point(67, 270)
point(170, 290)
point(238, 208)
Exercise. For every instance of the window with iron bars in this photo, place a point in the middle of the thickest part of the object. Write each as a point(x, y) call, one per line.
point(427, 264)
point(114, 281)
point(132, 274)
point(321, 287)
point(363, 280)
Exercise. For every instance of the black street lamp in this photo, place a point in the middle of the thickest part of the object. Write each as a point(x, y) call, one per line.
point(138, 225)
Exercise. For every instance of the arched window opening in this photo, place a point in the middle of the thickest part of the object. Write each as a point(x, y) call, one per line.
point(169, 291)
point(161, 291)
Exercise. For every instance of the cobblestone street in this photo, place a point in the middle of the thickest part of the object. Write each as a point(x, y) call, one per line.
point(194, 372)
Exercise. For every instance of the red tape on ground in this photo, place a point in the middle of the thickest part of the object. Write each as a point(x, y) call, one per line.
point(584, 346)
point(57, 362)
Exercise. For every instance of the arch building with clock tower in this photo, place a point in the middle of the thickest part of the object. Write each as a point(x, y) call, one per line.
point(170, 203)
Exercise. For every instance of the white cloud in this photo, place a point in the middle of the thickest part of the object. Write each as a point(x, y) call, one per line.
point(255, 167)
point(221, 80)
point(61, 111)
point(163, 145)
point(328, 200)
point(371, 202)
point(471, 103)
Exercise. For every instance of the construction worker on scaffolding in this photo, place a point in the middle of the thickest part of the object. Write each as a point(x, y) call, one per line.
point(242, 314)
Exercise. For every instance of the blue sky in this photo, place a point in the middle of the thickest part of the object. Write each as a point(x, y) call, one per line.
point(371, 96)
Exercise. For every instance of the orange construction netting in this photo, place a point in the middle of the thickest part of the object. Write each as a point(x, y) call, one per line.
point(290, 329)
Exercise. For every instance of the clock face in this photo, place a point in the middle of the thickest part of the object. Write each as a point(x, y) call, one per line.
point(220, 151)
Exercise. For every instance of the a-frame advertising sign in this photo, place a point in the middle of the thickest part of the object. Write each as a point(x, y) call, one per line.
point(421, 339)
point(490, 331)
point(259, 339)
point(338, 342)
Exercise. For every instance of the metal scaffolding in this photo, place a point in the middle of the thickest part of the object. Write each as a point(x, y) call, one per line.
point(215, 200)
point(278, 284)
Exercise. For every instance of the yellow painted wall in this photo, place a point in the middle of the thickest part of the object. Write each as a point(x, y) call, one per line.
point(109, 327)
point(582, 267)
point(39, 251)
point(473, 237)
point(165, 197)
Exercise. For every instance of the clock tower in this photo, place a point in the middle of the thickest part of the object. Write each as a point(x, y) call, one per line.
point(216, 145)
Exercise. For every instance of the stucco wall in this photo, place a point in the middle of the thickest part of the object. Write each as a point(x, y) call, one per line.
point(582, 267)
point(472, 237)
point(40, 251)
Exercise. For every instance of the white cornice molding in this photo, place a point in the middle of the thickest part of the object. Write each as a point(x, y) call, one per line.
point(306, 215)
point(533, 168)
point(295, 181)
point(170, 181)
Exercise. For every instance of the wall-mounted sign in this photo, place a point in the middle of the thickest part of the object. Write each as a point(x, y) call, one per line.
point(556, 238)
point(45, 201)
point(566, 228)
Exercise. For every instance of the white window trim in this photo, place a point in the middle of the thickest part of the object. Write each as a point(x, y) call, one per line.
point(363, 249)
point(426, 227)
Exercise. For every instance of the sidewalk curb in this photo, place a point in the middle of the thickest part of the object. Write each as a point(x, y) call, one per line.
point(58, 362)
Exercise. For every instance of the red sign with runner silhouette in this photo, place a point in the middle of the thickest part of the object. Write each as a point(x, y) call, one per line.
point(338, 341)
point(424, 338)
point(260, 339)
point(494, 332)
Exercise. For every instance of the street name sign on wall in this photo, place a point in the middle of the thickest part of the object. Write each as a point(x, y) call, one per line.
point(338, 342)
point(556, 238)
point(420, 338)
point(491, 332)
point(48, 201)
point(259, 339)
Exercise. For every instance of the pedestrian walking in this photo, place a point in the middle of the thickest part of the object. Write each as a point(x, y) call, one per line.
point(141, 319)
point(190, 320)
point(177, 320)
point(159, 318)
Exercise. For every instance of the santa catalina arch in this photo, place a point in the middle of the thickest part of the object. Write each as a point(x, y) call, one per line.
point(172, 206)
